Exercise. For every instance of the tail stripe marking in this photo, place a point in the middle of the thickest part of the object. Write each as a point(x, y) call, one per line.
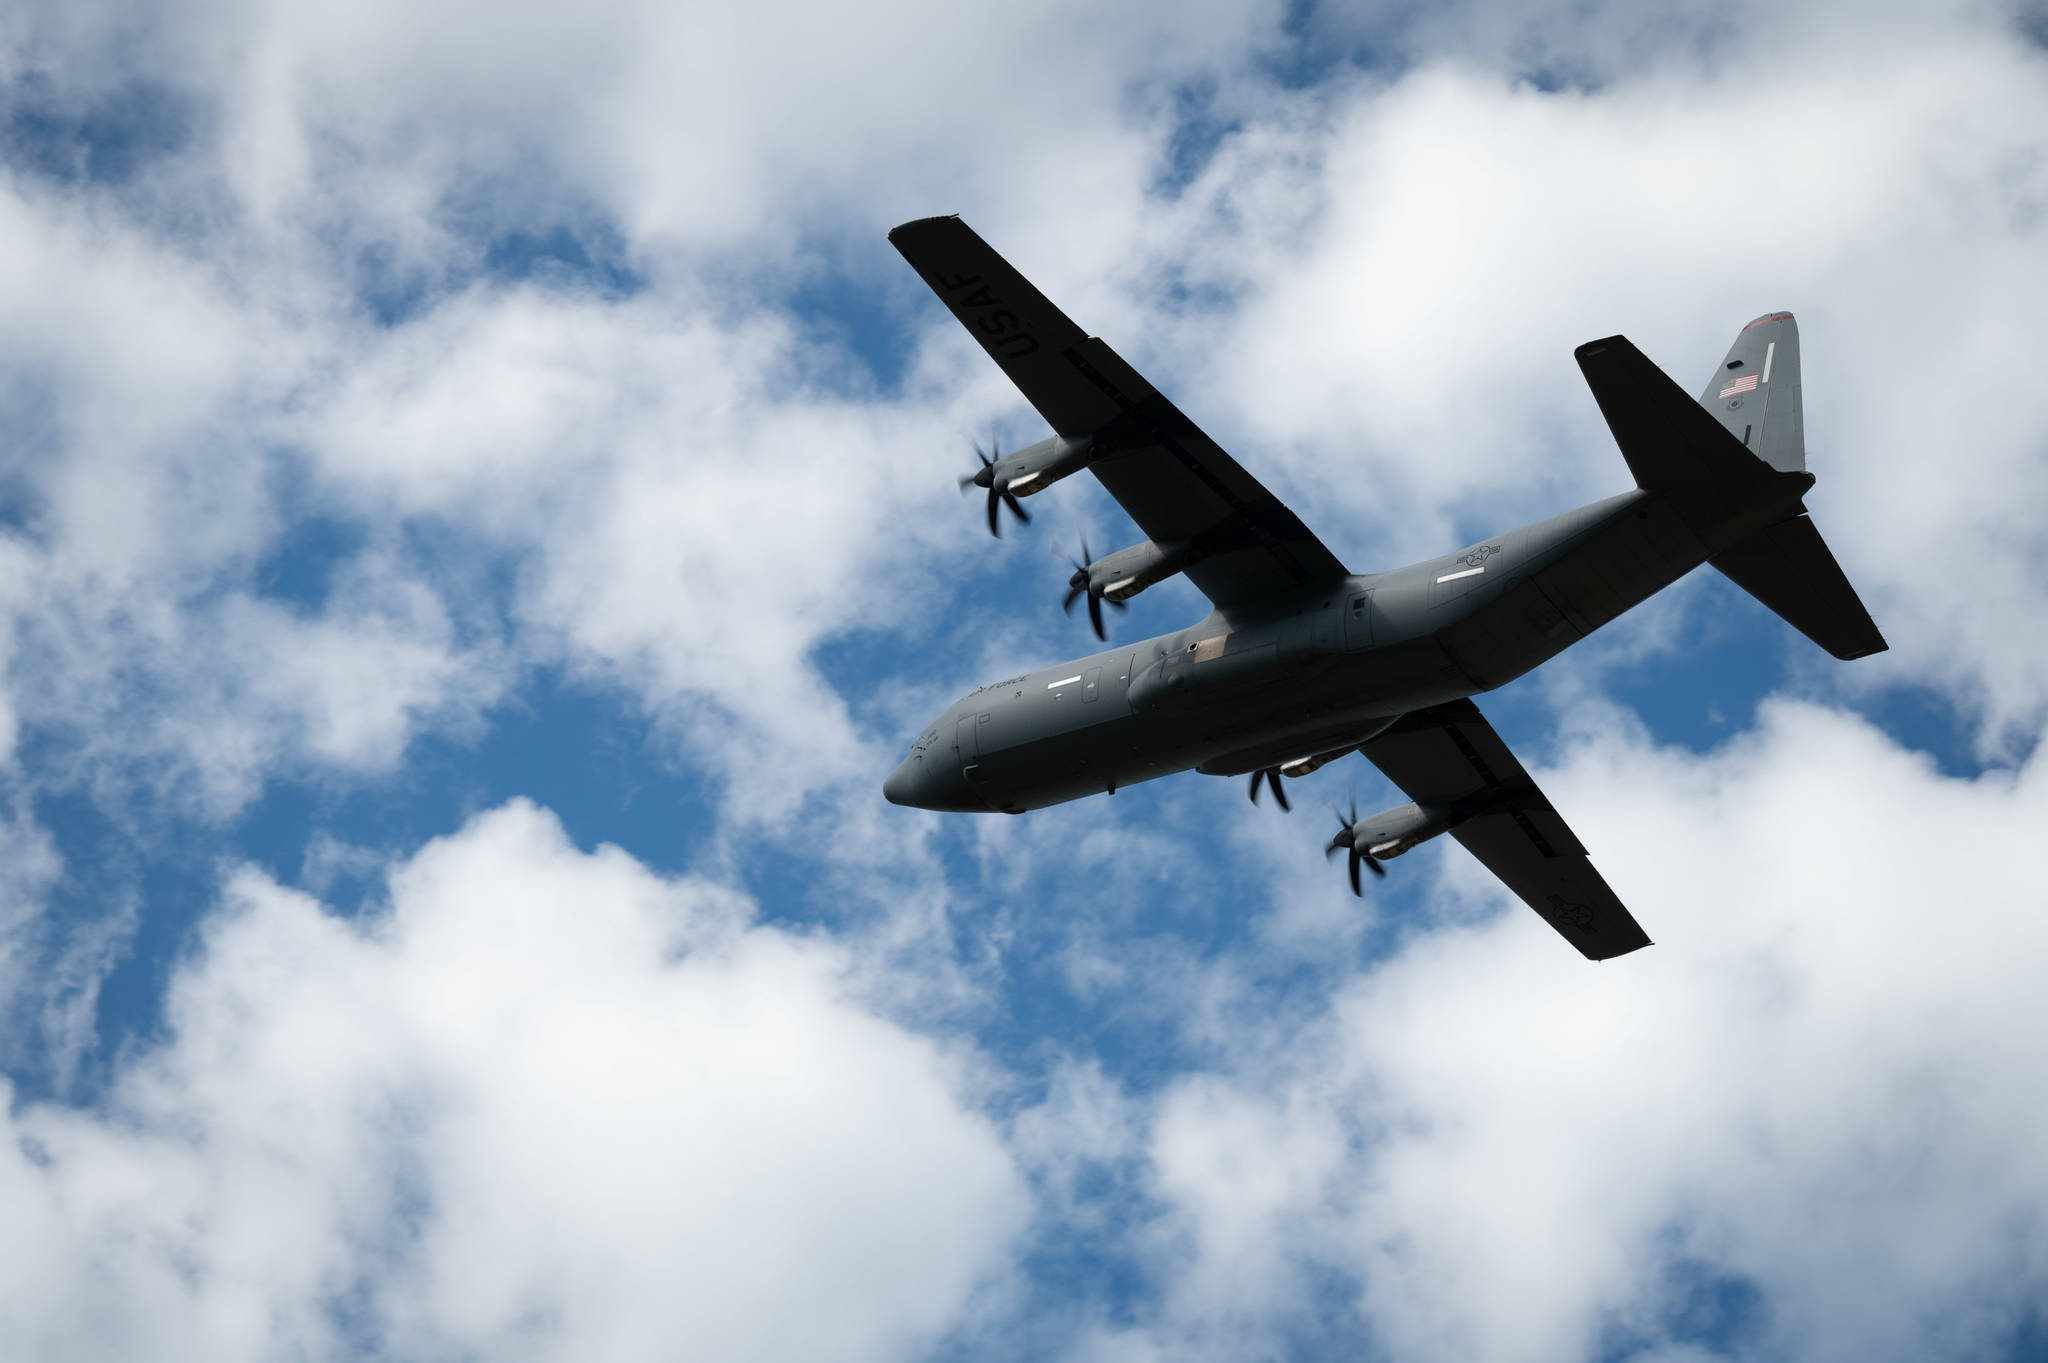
point(1770, 353)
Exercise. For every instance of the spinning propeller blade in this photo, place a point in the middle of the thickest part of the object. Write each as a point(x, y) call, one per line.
point(998, 493)
point(1347, 839)
point(1270, 776)
point(1079, 585)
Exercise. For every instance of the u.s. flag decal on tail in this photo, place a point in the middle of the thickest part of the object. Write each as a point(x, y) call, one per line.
point(1745, 384)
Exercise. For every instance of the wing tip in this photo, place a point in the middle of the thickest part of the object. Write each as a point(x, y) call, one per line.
point(1867, 649)
point(1609, 955)
point(1600, 347)
point(916, 223)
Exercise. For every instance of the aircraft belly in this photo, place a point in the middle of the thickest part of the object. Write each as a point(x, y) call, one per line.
point(1626, 561)
point(1586, 574)
point(1060, 736)
point(1494, 645)
point(1053, 768)
point(1024, 769)
point(1073, 731)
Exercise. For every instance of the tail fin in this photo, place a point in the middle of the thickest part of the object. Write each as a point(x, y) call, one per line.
point(1787, 566)
point(1755, 392)
point(1743, 443)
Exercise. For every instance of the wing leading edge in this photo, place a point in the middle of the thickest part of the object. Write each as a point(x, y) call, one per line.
point(1449, 755)
point(1177, 484)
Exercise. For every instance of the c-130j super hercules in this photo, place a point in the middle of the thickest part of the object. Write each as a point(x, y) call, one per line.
point(1301, 661)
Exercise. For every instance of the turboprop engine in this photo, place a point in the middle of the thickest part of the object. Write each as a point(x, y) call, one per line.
point(1117, 577)
point(1123, 574)
point(1394, 831)
point(1023, 472)
point(1373, 839)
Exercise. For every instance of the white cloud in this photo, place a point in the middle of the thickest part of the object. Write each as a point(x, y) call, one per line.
point(35, 993)
point(1823, 1081)
point(691, 510)
point(689, 489)
point(1410, 260)
point(547, 1106)
point(143, 505)
point(1409, 264)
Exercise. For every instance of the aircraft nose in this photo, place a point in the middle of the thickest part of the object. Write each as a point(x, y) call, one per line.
point(901, 787)
point(933, 785)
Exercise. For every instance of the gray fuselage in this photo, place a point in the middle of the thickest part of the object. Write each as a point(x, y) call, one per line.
point(1324, 671)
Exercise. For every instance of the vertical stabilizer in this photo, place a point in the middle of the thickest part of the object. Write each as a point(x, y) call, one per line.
point(1673, 447)
point(1755, 392)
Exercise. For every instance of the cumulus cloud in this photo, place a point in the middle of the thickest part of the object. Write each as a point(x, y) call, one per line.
point(487, 325)
point(685, 500)
point(689, 520)
point(1400, 266)
point(1406, 274)
point(143, 497)
point(1816, 1095)
point(545, 1105)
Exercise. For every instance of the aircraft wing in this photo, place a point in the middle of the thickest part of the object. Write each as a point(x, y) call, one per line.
point(1174, 481)
point(1449, 755)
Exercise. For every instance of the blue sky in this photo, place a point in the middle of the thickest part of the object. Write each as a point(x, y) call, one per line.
point(477, 524)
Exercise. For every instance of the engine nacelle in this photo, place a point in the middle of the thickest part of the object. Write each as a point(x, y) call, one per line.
point(1037, 467)
point(1123, 574)
point(1394, 831)
point(1303, 766)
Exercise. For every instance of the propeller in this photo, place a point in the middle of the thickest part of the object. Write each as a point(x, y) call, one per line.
point(1348, 840)
point(985, 476)
point(1271, 777)
point(1077, 587)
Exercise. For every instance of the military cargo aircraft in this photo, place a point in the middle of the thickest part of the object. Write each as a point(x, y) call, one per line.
point(1302, 661)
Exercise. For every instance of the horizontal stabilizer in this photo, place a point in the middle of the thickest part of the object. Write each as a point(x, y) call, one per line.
point(1668, 439)
point(1788, 568)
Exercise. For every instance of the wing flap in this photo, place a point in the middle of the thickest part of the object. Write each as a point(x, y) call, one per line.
point(1450, 755)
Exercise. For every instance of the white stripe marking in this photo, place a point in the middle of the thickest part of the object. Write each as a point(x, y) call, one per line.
point(1770, 353)
point(1453, 577)
point(1069, 681)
